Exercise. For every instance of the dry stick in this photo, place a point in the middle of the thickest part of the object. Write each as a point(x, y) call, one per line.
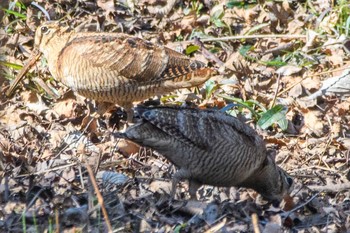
point(337, 160)
point(48, 170)
point(208, 55)
point(312, 167)
point(34, 57)
point(57, 220)
point(99, 197)
point(300, 206)
point(320, 156)
point(275, 95)
point(217, 227)
point(7, 189)
point(332, 188)
point(255, 223)
point(227, 38)
point(81, 177)
point(329, 141)
point(290, 87)
point(279, 48)
point(76, 140)
point(46, 88)
point(151, 178)
point(313, 156)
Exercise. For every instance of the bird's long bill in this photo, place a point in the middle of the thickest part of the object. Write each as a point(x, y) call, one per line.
point(32, 60)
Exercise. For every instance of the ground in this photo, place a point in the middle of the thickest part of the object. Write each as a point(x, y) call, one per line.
point(272, 59)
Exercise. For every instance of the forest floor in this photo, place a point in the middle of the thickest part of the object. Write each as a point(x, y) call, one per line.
point(273, 59)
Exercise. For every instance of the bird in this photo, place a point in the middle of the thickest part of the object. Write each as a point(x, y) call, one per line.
point(114, 68)
point(209, 147)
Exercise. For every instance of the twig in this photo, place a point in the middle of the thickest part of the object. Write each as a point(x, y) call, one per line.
point(48, 170)
point(331, 188)
point(290, 87)
point(57, 221)
point(81, 178)
point(46, 88)
point(337, 160)
point(76, 140)
point(275, 95)
point(255, 223)
point(283, 47)
point(34, 57)
point(312, 167)
point(7, 189)
point(99, 197)
point(286, 214)
point(228, 38)
point(325, 149)
point(217, 227)
point(207, 54)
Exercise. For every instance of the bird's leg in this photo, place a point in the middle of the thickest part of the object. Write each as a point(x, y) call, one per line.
point(103, 107)
point(193, 186)
point(178, 176)
point(129, 115)
point(94, 113)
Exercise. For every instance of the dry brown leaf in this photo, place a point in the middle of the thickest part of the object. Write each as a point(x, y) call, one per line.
point(312, 84)
point(296, 26)
point(187, 22)
point(68, 175)
point(336, 58)
point(343, 107)
point(279, 14)
point(160, 186)
point(288, 70)
point(203, 20)
point(34, 101)
point(65, 108)
point(296, 91)
point(329, 22)
point(106, 5)
point(272, 228)
point(313, 123)
point(310, 40)
point(127, 147)
point(193, 207)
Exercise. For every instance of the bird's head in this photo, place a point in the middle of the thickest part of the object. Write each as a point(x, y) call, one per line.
point(47, 34)
point(273, 182)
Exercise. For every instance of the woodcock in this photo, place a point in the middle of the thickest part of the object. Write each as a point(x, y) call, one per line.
point(114, 67)
point(210, 147)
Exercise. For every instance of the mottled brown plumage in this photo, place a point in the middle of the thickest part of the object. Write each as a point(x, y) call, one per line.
point(210, 147)
point(115, 67)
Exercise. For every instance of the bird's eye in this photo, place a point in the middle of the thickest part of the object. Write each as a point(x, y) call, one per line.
point(44, 29)
point(289, 181)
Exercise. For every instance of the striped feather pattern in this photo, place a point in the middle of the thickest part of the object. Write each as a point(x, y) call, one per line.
point(210, 147)
point(115, 67)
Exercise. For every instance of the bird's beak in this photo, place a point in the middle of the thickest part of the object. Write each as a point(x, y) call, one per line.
point(32, 60)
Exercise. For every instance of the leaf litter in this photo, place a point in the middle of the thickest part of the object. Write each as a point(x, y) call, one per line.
point(44, 150)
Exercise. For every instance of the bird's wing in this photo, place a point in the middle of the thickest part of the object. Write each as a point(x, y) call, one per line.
point(203, 128)
point(130, 57)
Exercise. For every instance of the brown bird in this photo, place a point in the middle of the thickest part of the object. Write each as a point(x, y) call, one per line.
point(114, 67)
point(210, 147)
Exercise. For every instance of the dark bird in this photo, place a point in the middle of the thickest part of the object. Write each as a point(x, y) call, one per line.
point(210, 147)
